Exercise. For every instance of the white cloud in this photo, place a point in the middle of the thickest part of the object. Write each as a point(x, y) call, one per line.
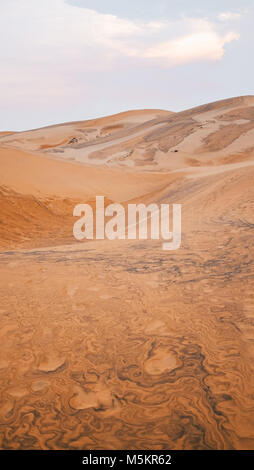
point(56, 31)
point(51, 46)
point(229, 15)
point(204, 45)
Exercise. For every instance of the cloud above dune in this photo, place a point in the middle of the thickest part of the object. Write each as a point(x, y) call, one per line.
point(229, 15)
point(56, 31)
point(201, 43)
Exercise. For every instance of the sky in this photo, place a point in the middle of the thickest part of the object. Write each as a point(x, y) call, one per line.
point(70, 60)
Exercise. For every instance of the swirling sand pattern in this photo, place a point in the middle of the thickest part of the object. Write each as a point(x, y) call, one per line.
point(133, 348)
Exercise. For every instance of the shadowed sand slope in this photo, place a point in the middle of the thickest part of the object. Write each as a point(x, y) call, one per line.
point(119, 344)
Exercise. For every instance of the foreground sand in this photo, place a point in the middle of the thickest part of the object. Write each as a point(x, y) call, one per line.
point(115, 345)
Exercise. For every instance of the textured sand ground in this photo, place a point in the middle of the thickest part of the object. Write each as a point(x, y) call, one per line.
point(118, 344)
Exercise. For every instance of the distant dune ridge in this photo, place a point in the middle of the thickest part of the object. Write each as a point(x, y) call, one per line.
point(119, 344)
point(145, 139)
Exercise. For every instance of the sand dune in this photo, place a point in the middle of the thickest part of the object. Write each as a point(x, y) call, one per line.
point(118, 344)
point(152, 140)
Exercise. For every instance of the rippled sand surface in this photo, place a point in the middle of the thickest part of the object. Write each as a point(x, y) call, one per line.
point(121, 345)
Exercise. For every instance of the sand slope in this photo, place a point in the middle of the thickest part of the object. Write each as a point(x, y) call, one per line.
point(213, 134)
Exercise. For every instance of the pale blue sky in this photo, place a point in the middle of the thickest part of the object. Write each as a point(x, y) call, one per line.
point(64, 60)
